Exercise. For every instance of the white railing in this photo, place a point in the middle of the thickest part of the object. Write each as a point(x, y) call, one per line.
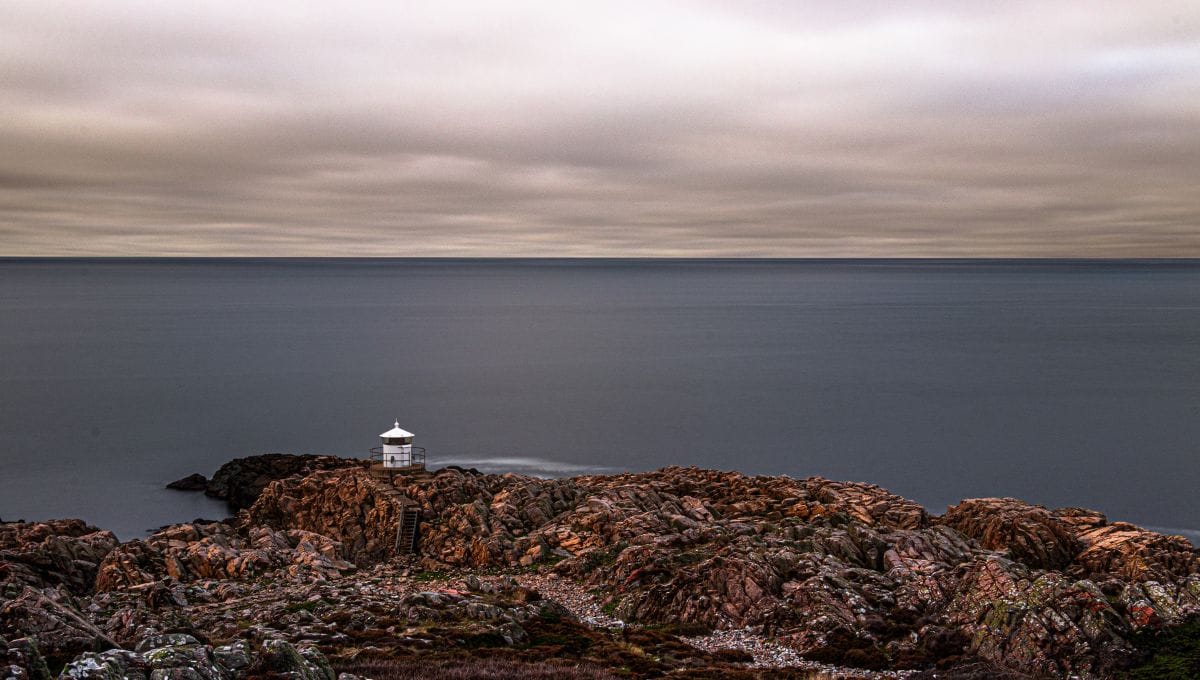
point(416, 458)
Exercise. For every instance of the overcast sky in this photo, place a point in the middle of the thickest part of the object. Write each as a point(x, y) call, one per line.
point(609, 129)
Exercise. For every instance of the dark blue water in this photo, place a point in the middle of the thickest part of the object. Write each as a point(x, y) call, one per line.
point(1062, 383)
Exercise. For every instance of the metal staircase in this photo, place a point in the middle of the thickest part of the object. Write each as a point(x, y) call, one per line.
point(408, 522)
point(406, 530)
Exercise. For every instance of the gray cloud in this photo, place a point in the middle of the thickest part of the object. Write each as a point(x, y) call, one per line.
point(640, 128)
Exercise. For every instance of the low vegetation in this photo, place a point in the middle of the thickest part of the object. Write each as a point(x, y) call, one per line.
point(474, 669)
point(1172, 654)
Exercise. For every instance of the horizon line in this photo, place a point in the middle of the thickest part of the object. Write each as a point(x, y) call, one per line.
point(576, 258)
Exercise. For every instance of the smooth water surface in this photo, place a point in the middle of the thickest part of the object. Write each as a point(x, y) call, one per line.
point(1063, 383)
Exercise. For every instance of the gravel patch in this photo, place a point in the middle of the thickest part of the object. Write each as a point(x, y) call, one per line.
point(770, 654)
point(766, 652)
point(574, 597)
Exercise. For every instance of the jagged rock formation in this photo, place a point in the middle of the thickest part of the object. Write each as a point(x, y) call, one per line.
point(1029, 534)
point(21, 660)
point(53, 618)
point(63, 552)
point(846, 573)
point(241, 480)
point(189, 552)
point(349, 506)
point(183, 657)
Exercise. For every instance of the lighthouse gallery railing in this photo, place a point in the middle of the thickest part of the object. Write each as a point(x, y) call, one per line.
point(416, 459)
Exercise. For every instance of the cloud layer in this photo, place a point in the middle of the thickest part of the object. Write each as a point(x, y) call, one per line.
point(612, 129)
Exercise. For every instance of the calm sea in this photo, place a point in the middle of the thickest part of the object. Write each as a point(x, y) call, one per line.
point(1063, 383)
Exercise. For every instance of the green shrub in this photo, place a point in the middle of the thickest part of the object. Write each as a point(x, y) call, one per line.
point(1171, 654)
point(307, 605)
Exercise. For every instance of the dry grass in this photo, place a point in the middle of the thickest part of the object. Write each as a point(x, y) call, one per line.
point(473, 669)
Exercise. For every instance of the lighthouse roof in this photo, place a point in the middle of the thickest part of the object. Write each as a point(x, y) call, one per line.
point(396, 432)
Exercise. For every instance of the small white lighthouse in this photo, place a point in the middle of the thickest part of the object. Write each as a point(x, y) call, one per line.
point(397, 449)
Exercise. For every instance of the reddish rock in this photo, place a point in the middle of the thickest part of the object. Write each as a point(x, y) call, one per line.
point(57, 552)
point(241, 480)
point(51, 617)
point(1038, 622)
point(349, 506)
point(867, 503)
point(1029, 534)
point(1134, 554)
point(189, 552)
point(843, 572)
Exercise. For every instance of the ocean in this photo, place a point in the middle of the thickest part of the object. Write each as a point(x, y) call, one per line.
point(1060, 382)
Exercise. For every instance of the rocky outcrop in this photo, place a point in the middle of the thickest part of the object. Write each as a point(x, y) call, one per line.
point(241, 480)
point(350, 506)
point(21, 660)
point(278, 658)
point(1080, 541)
point(845, 572)
point(58, 552)
point(481, 520)
point(1039, 622)
point(183, 657)
point(189, 552)
point(472, 519)
point(842, 573)
point(1029, 534)
point(52, 617)
point(193, 482)
point(1135, 554)
point(60, 635)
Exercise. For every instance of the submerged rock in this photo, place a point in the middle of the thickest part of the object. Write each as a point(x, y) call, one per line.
point(193, 482)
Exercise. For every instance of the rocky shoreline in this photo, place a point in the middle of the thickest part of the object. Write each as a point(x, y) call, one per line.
point(681, 573)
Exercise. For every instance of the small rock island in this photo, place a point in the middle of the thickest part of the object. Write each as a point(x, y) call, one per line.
point(679, 573)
